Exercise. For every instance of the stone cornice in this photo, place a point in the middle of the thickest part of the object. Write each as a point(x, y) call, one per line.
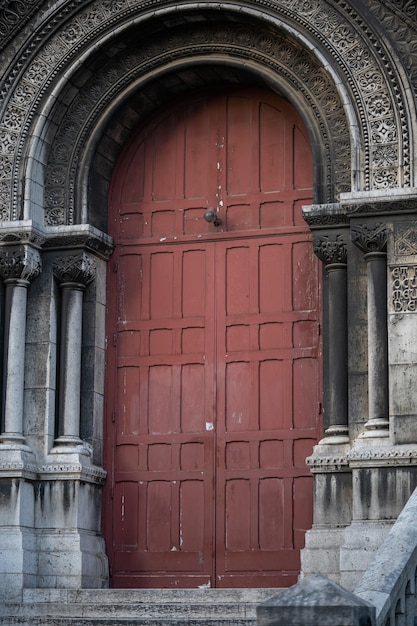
point(400, 201)
point(325, 215)
point(81, 236)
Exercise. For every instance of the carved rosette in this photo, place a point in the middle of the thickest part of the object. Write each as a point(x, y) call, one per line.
point(76, 269)
point(19, 263)
point(370, 239)
point(330, 249)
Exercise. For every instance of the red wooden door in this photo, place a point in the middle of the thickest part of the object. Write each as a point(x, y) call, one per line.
point(213, 365)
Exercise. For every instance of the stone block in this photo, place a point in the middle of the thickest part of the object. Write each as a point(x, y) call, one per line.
point(315, 601)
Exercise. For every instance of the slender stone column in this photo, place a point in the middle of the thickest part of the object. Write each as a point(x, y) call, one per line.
point(73, 273)
point(18, 266)
point(332, 252)
point(373, 241)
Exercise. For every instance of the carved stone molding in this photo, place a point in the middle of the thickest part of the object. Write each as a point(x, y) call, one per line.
point(285, 57)
point(337, 29)
point(58, 472)
point(330, 248)
point(325, 215)
point(75, 268)
point(19, 262)
point(72, 471)
point(382, 457)
point(392, 205)
point(328, 463)
point(369, 238)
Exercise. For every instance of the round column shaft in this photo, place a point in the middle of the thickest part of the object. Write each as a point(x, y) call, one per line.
point(15, 333)
point(70, 364)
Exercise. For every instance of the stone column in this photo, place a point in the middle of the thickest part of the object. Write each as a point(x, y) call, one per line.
point(18, 266)
point(73, 273)
point(373, 241)
point(332, 252)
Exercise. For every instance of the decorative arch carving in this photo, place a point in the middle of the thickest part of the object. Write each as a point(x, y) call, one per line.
point(364, 73)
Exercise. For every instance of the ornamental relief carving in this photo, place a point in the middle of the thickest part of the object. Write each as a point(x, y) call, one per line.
point(300, 69)
point(78, 268)
point(405, 238)
point(19, 262)
point(369, 238)
point(341, 33)
point(330, 249)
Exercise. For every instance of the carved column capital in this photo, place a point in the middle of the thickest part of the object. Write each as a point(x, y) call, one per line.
point(19, 263)
point(77, 268)
point(369, 239)
point(330, 249)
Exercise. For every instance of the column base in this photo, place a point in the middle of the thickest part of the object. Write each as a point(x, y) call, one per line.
point(376, 427)
point(337, 434)
point(71, 445)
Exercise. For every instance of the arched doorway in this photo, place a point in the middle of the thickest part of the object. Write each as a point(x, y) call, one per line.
point(213, 373)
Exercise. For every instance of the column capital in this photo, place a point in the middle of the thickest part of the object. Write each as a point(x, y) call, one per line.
point(19, 262)
point(75, 268)
point(330, 248)
point(370, 238)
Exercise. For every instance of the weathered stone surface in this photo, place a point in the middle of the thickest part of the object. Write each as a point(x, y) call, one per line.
point(315, 601)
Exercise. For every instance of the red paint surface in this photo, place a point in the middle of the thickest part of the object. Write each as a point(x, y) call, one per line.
point(213, 379)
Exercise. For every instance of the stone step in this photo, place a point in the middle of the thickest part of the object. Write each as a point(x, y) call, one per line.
point(120, 607)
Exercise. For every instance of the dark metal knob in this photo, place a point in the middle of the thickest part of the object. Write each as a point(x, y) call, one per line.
point(211, 217)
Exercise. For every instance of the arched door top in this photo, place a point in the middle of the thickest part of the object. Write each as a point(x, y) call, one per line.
point(349, 70)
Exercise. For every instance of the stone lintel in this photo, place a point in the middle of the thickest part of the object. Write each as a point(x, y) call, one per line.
point(315, 601)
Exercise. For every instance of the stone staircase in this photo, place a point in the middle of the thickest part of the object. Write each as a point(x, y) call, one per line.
point(125, 607)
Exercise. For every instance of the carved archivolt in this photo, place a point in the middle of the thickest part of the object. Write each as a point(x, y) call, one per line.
point(341, 57)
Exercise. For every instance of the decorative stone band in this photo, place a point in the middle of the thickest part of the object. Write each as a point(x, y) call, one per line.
point(403, 201)
point(19, 262)
point(75, 268)
point(62, 471)
point(398, 456)
point(18, 469)
point(327, 464)
point(324, 215)
point(331, 249)
point(369, 239)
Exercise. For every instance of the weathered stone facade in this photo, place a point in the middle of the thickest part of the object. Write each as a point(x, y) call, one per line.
point(75, 78)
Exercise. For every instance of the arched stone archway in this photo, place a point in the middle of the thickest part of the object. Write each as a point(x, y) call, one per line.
point(74, 83)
